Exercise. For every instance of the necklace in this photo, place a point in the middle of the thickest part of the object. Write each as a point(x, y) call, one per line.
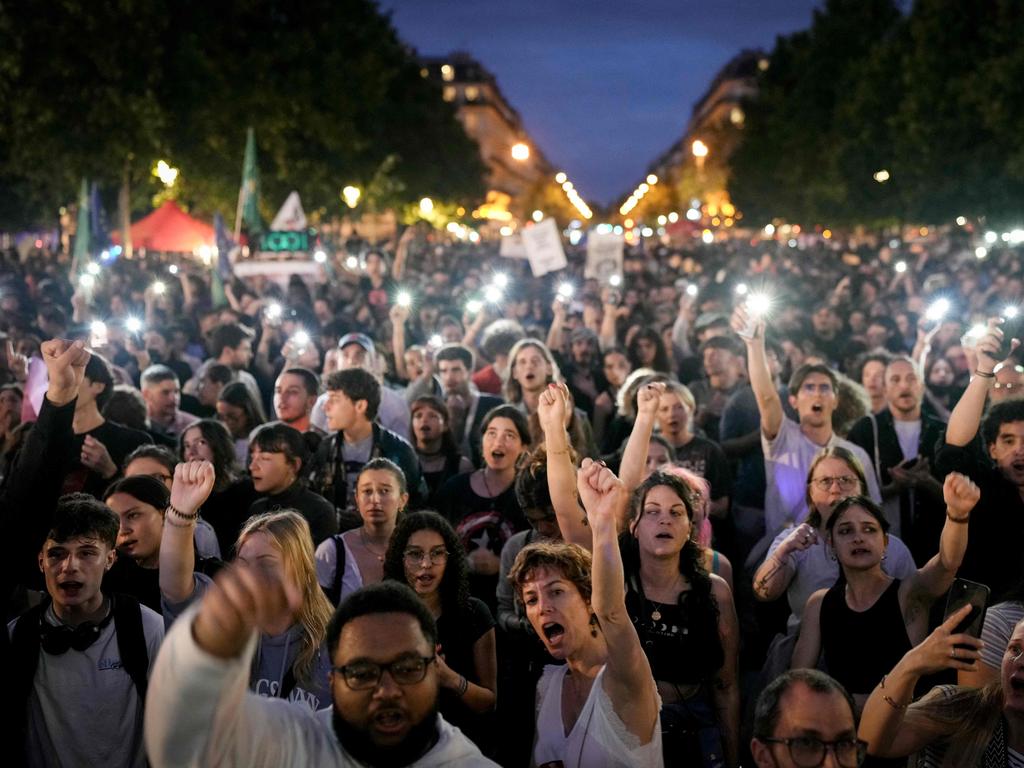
point(483, 476)
point(368, 548)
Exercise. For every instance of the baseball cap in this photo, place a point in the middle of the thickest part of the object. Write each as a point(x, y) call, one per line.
point(361, 339)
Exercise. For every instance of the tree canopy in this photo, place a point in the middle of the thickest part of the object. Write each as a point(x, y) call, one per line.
point(106, 89)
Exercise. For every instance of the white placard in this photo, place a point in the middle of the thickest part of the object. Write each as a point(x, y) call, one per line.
point(544, 248)
point(512, 247)
point(604, 255)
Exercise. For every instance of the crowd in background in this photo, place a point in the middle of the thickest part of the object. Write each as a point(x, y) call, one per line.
point(627, 518)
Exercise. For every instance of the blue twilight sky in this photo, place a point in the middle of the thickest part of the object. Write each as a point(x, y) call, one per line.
point(603, 87)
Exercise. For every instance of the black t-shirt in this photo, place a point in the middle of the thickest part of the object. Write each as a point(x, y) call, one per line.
point(706, 459)
point(457, 635)
point(481, 522)
point(227, 511)
point(119, 441)
point(319, 513)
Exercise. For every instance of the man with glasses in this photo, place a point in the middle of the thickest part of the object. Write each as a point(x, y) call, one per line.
point(790, 447)
point(384, 683)
point(804, 719)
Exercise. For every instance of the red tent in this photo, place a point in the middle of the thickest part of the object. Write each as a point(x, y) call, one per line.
point(169, 228)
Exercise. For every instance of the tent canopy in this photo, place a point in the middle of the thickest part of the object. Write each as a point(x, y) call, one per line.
point(169, 228)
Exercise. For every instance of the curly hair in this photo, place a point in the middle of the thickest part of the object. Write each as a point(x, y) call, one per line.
point(454, 586)
point(222, 446)
point(571, 560)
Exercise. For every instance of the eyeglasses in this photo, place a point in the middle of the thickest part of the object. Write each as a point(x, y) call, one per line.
point(365, 675)
point(846, 482)
point(808, 752)
point(437, 556)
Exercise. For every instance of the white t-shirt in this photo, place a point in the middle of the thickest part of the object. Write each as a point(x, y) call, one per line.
point(327, 567)
point(598, 739)
point(787, 459)
point(84, 708)
point(909, 435)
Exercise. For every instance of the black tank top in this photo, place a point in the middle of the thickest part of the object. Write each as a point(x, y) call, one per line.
point(861, 647)
point(680, 640)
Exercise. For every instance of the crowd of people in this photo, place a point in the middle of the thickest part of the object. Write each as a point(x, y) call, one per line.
point(435, 511)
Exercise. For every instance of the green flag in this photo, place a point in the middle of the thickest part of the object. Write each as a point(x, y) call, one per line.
point(80, 254)
point(248, 213)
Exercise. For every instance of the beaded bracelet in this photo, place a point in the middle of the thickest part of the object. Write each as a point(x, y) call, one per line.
point(181, 515)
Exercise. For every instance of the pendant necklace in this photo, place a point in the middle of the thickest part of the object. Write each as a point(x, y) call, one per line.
point(368, 548)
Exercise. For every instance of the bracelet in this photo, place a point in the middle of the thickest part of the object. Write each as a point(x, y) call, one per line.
point(889, 699)
point(463, 686)
point(958, 520)
point(181, 515)
point(168, 520)
point(984, 375)
point(563, 452)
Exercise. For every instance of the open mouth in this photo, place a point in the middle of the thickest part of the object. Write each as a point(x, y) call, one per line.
point(860, 551)
point(665, 536)
point(1018, 466)
point(70, 587)
point(553, 631)
point(497, 455)
point(1017, 684)
point(816, 408)
point(389, 720)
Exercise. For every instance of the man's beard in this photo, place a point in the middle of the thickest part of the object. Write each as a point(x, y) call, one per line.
point(356, 742)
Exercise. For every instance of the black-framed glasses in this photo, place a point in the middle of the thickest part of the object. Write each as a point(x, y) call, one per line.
point(846, 482)
point(365, 675)
point(809, 752)
point(437, 556)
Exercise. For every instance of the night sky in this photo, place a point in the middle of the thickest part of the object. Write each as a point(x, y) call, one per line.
point(603, 87)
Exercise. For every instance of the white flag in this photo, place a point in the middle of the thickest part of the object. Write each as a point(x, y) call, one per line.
point(604, 255)
point(544, 248)
point(291, 217)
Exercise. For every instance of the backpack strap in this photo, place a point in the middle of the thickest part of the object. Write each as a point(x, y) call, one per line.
point(23, 662)
point(334, 593)
point(131, 642)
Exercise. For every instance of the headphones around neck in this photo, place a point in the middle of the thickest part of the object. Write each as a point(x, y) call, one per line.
point(59, 639)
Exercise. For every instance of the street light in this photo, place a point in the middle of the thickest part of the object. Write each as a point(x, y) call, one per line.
point(426, 206)
point(351, 196)
point(700, 152)
point(520, 151)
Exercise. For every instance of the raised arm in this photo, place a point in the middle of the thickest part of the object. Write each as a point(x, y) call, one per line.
point(768, 403)
point(628, 680)
point(890, 724)
point(399, 315)
point(551, 412)
point(966, 415)
point(634, 458)
point(777, 571)
point(555, 338)
point(193, 482)
point(936, 576)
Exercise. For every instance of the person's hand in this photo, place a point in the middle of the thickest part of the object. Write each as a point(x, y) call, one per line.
point(96, 457)
point(551, 410)
point(911, 477)
point(960, 494)
point(398, 314)
point(408, 235)
point(647, 399)
point(65, 366)
point(447, 676)
point(804, 536)
point(16, 364)
point(989, 345)
point(740, 324)
point(484, 562)
point(242, 598)
point(943, 649)
point(192, 485)
point(603, 403)
point(603, 495)
point(558, 310)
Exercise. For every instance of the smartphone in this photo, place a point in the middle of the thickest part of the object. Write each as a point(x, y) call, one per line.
point(964, 592)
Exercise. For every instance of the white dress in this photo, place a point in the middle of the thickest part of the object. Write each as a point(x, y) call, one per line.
point(598, 739)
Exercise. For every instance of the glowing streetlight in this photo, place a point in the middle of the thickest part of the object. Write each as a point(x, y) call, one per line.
point(561, 178)
point(166, 173)
point(881, 176)
point(351, 196)
point(652, 179)
point(520, 151)
point(426, 206)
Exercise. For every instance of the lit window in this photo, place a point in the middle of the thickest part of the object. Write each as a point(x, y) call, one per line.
point(472, 93)
point(424, 72)
point(447, 73)
point(449, 93)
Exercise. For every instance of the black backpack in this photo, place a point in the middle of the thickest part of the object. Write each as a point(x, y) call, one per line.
point(334, 591)
point(25, 648)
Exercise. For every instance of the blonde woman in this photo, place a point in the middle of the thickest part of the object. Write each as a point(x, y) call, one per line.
point(291, 661)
